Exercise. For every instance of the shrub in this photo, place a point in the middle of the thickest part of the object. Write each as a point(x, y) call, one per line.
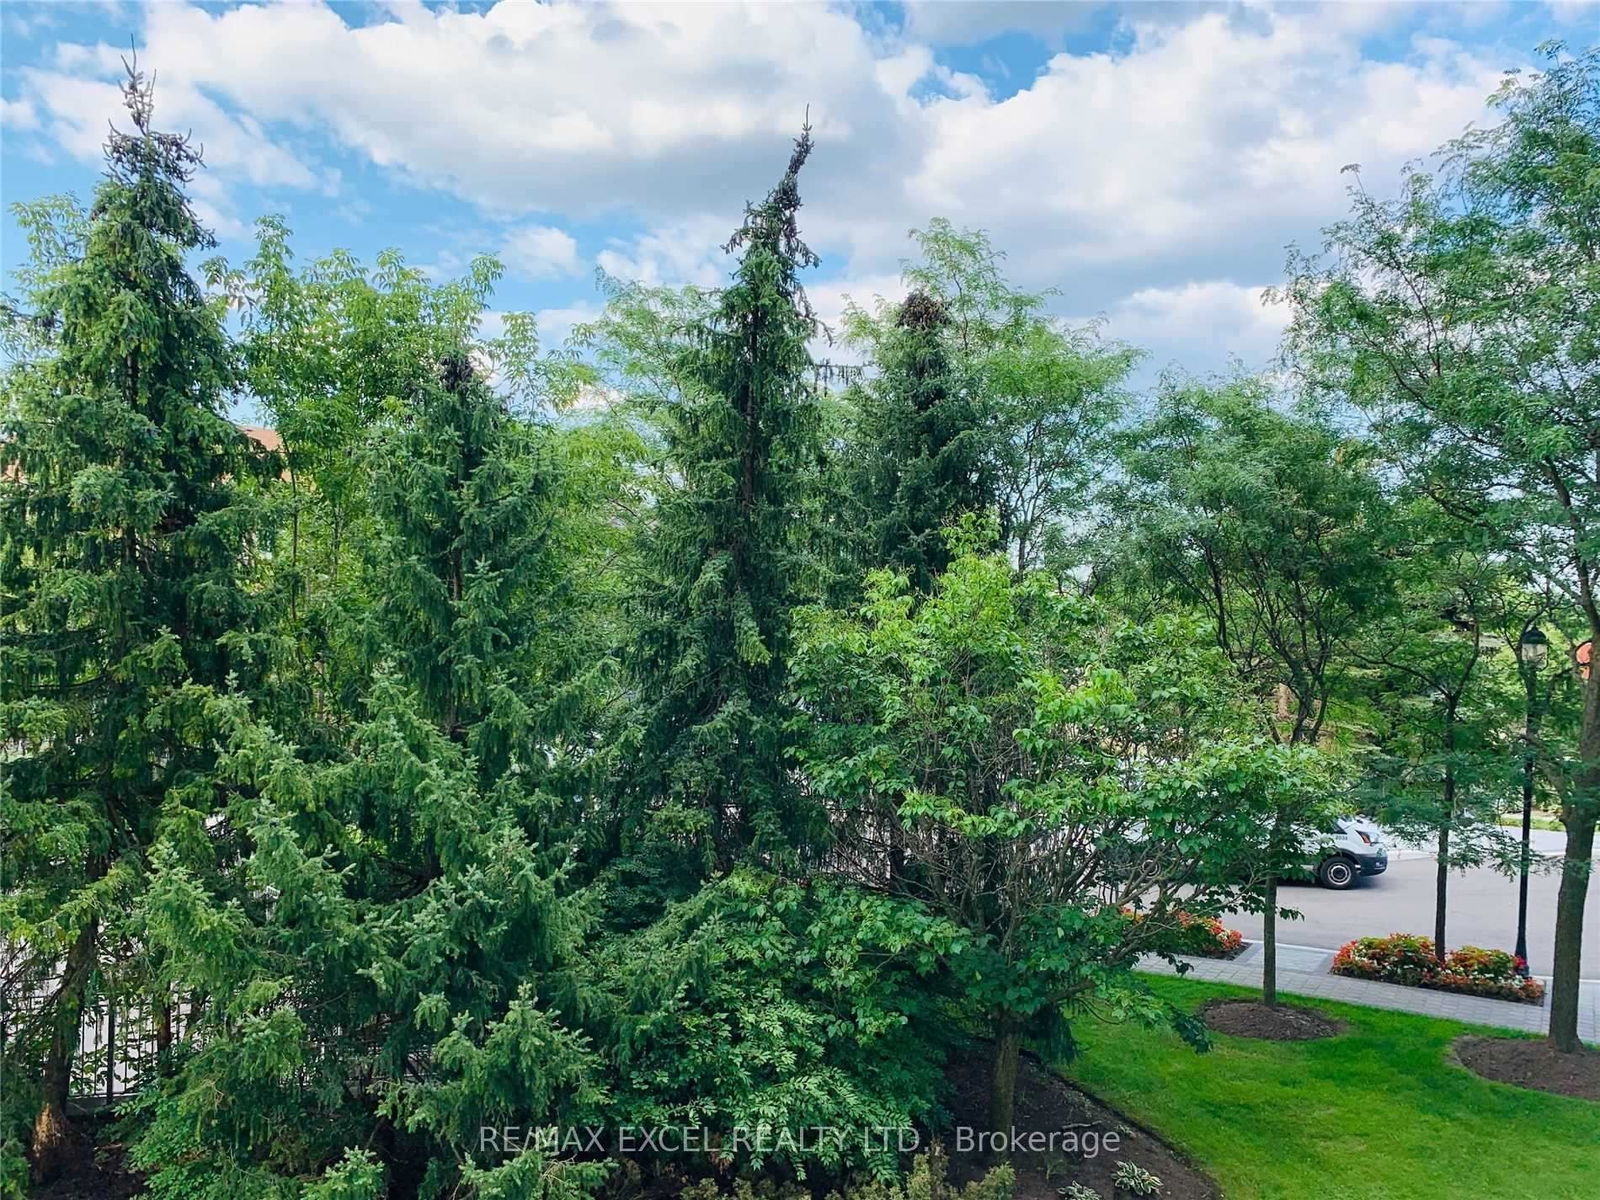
point(1134, 1179)
point(1408, 959)
point(1478, 963)
point(928, 1179)
point(1399, 958)
point(1193, 934)
point(760, 1003)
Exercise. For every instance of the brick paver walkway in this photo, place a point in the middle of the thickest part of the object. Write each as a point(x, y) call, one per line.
point(1304, 972)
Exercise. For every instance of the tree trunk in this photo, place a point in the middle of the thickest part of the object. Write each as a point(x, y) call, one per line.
point(51, 1129)
point(1441, 891)
point(1566, 971)
point(1003, 1080)
point(163, 1007)
point(897, 854)
point(1581, 813)
point(1447, 817)
point(1269, 946)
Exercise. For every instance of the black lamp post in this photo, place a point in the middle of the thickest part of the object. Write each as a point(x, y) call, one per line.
point(1531, 652)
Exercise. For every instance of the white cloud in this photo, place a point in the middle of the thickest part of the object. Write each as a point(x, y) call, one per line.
point(1140, 179)
point(1205, 126)
point(1202, 138)
point(593, 398)
point(18, 114)
point(555, 324)
point(688, 251)
point(21, 21)
point(565, 107)
point(830, 297)
point(214, 207)
point(829, 300)
point(78, 109)
point(1200, 325)
point(540, 252)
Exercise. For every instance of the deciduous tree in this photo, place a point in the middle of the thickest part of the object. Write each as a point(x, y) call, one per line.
point(1463, 317)
point(1271, 524)
point(1040, 772)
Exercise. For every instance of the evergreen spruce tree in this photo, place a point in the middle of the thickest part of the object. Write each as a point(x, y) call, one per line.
point(722, 559)
point(919, 460)
point(462, 511)
point(124, 526)
point(399, 964)
point(331, 349)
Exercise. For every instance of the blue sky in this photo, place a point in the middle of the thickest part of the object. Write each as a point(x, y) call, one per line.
point(1150, 161)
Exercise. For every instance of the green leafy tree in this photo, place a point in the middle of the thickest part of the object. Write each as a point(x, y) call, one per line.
point(1057, 394)
point(639, 346)
point(1441, 708)
point(719, 561)
point(1034, 774)
point(1271, 524)
point(1019, 405)
point(128, 527)
point(760, 1006)
point(1463, 317)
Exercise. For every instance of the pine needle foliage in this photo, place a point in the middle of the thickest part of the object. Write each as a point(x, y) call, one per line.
point(127, 522)
point(720, 563)
point(399, 958)
point(919, 461)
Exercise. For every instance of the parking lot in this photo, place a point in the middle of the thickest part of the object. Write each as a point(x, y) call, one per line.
point(1483, 912)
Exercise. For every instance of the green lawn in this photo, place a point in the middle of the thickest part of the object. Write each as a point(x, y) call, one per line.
point(1375, 1112)
point(1550, 823)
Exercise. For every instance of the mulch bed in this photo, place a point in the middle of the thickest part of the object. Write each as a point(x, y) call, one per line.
point(1047, 1103)
point(89, 1172)
point(1222, 955)
point(1253, 1019)
point(1531, 1063)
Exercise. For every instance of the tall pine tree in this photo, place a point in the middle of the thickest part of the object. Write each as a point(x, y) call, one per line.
point(396, 964)
point(721, 562)
point(462, 510)
point(124, 525)
point(919, 452)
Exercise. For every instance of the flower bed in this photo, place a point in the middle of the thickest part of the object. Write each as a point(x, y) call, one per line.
point(1202, 937)
point(1408, 959)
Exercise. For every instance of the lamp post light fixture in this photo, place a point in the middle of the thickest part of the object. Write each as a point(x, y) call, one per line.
point(1532, 649)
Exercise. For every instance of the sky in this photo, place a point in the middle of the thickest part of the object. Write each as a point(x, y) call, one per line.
point(1150, 162)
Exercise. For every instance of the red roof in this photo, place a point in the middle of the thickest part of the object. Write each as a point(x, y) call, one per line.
point(267, 439)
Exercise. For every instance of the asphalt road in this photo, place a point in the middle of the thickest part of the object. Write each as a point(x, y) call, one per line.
point(1483, 912)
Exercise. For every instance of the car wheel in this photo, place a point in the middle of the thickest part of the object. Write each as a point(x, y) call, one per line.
point(1337, 873)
